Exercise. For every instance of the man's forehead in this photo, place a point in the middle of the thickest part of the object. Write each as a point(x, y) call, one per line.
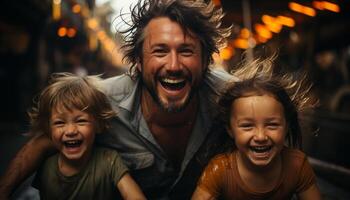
point(165, 28)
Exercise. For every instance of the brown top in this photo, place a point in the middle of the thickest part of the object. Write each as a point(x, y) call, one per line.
point(221, 177)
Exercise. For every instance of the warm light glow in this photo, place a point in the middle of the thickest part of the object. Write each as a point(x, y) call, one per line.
point(263, 31)
point(274, 27)
point(76, 8)
point(331, 6)
point(56, 10)
point(226, 53)
point(62, 31)
point(71, 32)
point(92, 23)
point(325, 5)
point(245, 33)
point(302, 9)
point(101, 35)
point(267, 19)
point(286, 21)
point(241, 43)
point(260, 39)
point(216, 2)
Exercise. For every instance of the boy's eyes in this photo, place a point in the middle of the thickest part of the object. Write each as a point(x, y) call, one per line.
point(82, 121)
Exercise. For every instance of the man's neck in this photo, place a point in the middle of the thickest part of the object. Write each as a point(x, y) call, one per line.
point(171, 130)
point(154, 114)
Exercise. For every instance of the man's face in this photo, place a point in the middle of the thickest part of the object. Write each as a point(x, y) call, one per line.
point(172, 66)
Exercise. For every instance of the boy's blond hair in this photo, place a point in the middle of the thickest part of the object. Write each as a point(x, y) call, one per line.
point(69, 91)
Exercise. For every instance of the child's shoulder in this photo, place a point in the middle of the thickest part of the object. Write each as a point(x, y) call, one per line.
point(106, 154)
point(293, 157)
point(223, 159)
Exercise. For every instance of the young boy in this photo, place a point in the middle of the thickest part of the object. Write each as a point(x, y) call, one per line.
point(71, 110)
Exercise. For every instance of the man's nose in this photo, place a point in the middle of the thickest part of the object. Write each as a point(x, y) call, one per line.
point(173, 62)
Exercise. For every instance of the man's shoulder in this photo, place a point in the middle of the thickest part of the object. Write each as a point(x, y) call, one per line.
point(118, 88)
point(118, 85)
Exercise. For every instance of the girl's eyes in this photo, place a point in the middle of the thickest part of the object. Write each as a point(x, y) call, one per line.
point(246, 126)
point(58, 123)
point(273, 126)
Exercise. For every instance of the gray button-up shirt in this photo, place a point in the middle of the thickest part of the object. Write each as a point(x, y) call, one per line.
point(131, 137)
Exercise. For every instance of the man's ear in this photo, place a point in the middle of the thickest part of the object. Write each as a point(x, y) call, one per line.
point(139, 67)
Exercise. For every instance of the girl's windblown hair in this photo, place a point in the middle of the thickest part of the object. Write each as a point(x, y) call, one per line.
point(259, 76)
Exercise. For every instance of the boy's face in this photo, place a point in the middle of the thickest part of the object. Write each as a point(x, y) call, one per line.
point(73, 133)
point(259, 128)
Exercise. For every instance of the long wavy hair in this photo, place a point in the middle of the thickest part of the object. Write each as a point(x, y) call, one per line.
point(292, 90)
point(194, 16)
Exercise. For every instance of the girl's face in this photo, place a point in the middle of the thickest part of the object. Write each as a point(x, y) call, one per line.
point(73, 133)
point(258, 125)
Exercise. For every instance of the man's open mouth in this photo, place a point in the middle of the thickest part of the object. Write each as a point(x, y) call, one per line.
point(72, 143)
point(173, 84)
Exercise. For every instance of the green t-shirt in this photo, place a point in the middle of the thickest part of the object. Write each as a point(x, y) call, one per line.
point(97, 180)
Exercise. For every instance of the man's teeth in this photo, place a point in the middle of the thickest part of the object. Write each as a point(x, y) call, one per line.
point(172, 81)
point(173, 84)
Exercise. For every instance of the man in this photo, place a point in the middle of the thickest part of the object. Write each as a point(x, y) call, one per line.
point(165, 106)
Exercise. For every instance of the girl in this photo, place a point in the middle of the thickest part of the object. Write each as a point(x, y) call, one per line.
point(261, 115)
point(71, 111)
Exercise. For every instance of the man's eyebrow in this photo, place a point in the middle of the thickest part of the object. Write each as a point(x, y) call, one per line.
point(163, 45)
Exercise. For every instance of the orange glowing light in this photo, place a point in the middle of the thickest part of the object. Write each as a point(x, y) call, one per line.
point(226, 53)
point(331, 6)
point(286, 21)
point(241, 43)
point(71, 32)
point(302, 9)
point(216, 2)
point(76, 8)
point(62, 31)
point(244, 33)
point(263, 31)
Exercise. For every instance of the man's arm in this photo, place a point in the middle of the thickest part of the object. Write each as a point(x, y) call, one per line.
point(25, 163)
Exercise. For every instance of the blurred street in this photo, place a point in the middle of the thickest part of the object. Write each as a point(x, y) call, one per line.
point(38, 38)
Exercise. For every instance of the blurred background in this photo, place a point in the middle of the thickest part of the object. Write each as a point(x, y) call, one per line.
point(39, 37)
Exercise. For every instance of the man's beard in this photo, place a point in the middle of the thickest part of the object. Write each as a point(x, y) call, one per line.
point(170, 106)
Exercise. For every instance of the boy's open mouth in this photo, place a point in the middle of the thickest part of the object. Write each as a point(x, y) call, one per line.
point(72, 143)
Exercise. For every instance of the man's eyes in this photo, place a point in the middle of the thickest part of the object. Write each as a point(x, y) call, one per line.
point(187, 52)
point(159, 52)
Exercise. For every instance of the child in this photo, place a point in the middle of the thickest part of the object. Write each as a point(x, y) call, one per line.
point(71, 110)
point(261, 114)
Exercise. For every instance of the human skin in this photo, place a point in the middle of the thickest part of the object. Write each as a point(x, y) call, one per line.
point(172, 65)
point(73, 134)
point(258, 126)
